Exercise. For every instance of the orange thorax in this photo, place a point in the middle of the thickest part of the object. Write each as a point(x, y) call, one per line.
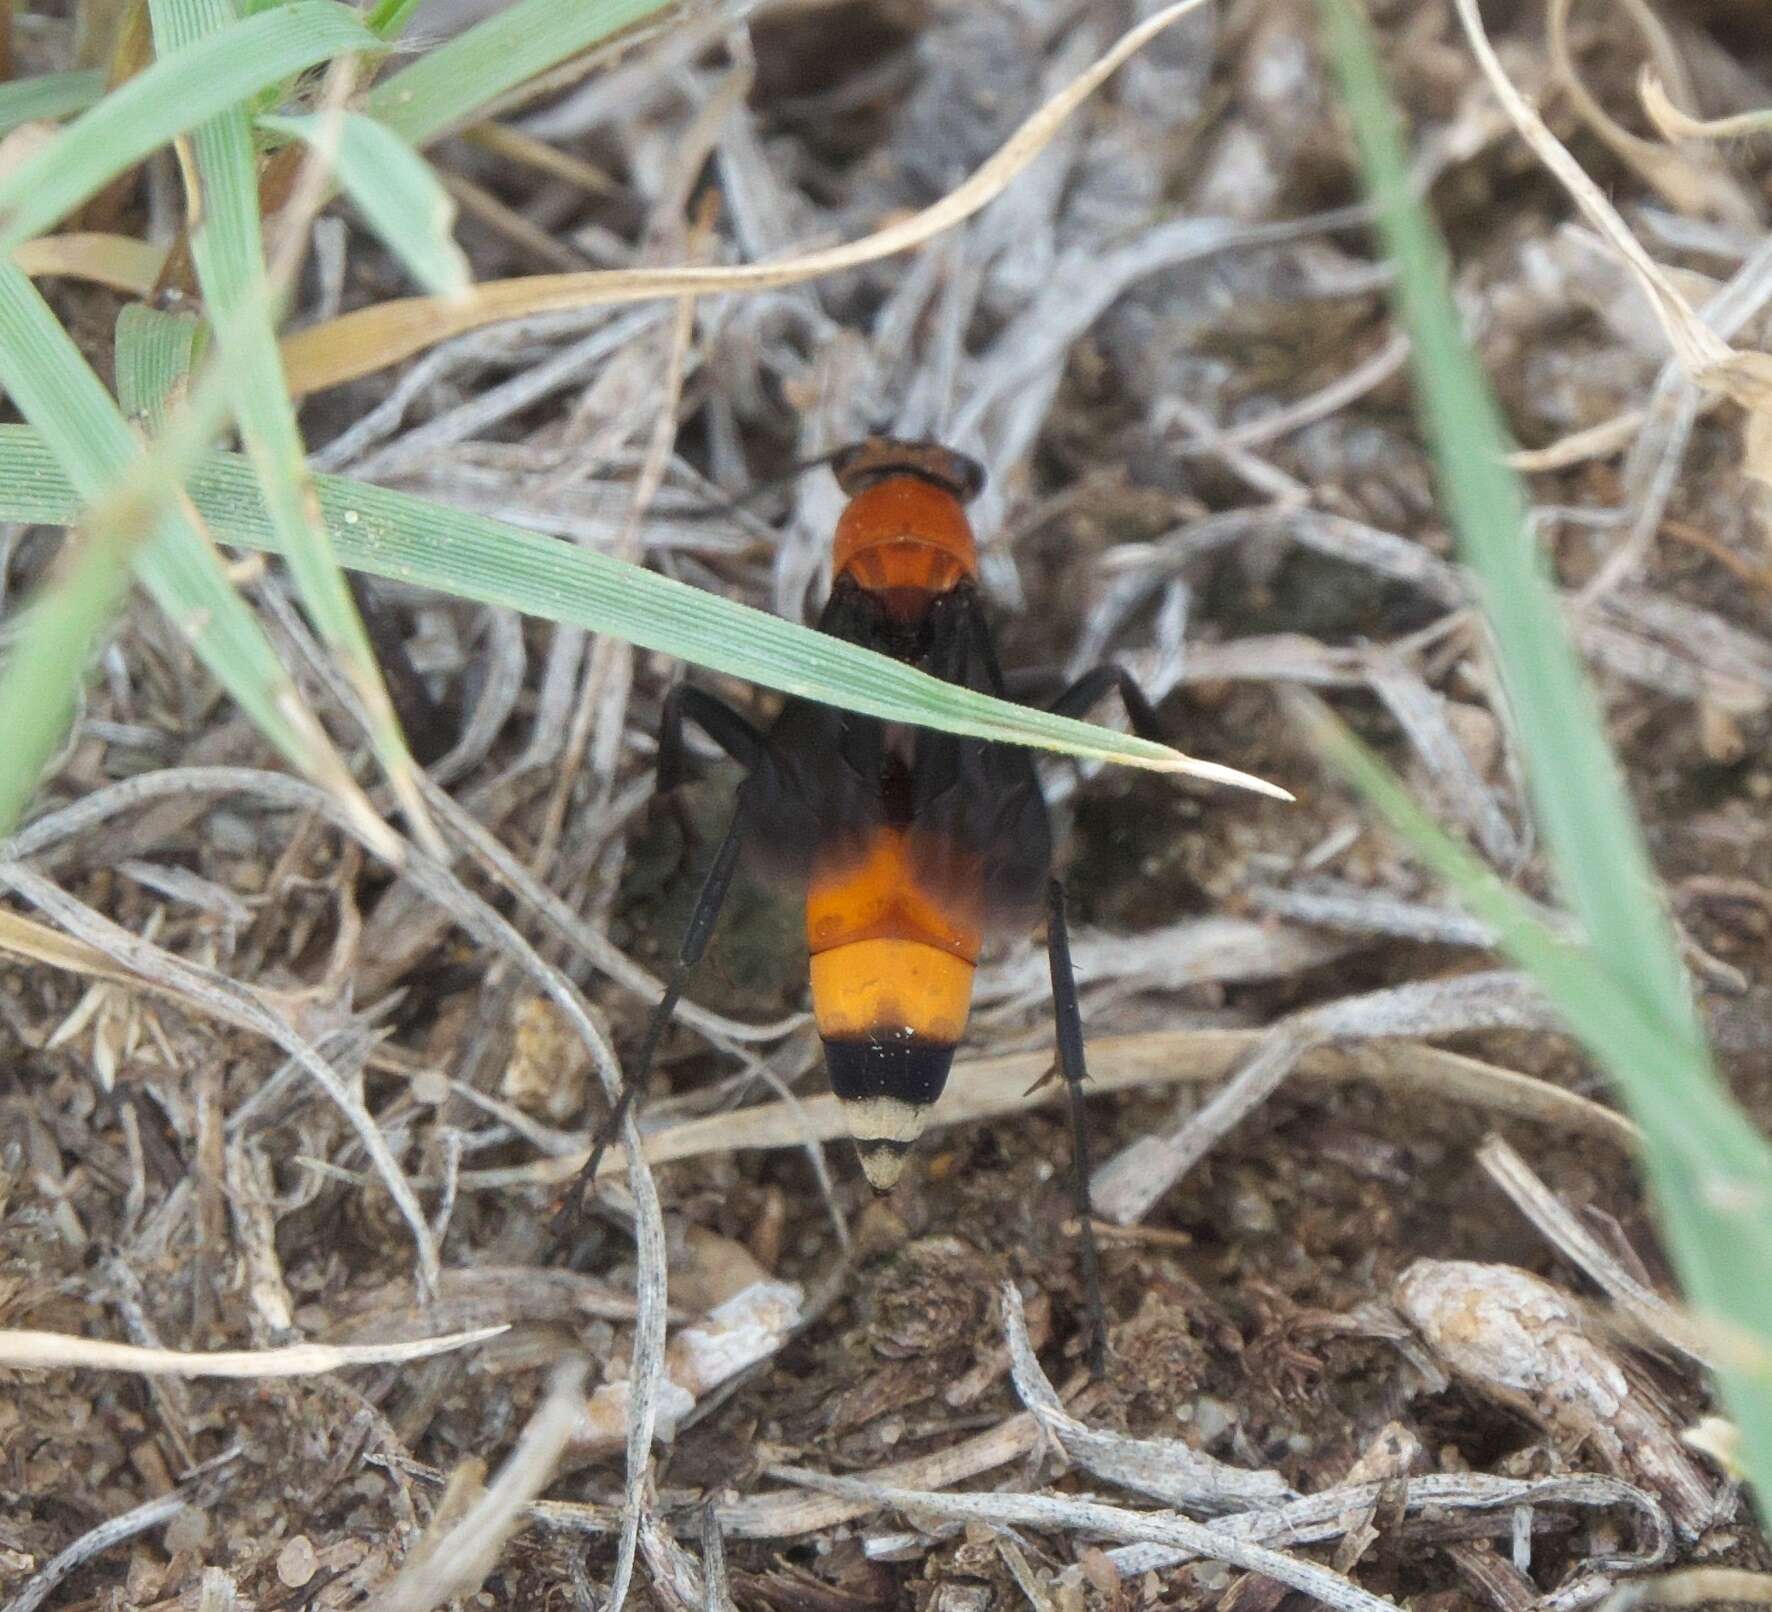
point(904, 539)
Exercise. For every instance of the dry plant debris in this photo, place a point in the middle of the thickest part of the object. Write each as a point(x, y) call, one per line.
point(262, 1098)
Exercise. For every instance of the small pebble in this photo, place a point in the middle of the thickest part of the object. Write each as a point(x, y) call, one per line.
point(1101, 1573)
point(296, 1562)
point(1251, 1213)
point(1213, 1417)
point(430, 1087)
point(189, 1530)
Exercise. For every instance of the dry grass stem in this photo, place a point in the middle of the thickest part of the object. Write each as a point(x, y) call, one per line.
point(1693, 181)
point(793, 1513)
point(1366, 376)
point(986, 1088)
point(1127, 1186)
point(1675, 124)
point(1169, 1470)
point(54, 1351)
point(1652, 467)
point(1319, 1518)
point(1110, 1522)
point(360, 343)
point(454, 1560)
point(1591, 442)
point(1559, 1225)
point(1696, 1586)
point(1707, 359)
point(717, 1597)
point(106, 1536)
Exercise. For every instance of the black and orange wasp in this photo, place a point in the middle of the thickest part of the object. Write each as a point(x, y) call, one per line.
point(913, 845)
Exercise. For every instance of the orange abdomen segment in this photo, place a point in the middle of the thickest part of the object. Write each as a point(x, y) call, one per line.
point(889, 954)
point(884, 987)
point(880, 895)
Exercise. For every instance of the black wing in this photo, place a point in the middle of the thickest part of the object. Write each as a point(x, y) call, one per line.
point(971, 811)
point(973, 799)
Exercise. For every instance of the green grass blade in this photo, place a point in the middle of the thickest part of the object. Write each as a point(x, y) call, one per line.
point(57, 638)
point(228, 251)
point(166, 99)
point(447, 86)
point(1576, 789)
point(59, 631)
point(396, 535)
point(156, 352)
point(1603, 1015)
point(1710, 1169)
point(91, 450)
point(48, 96)
point(393, 187)
point(388, 18)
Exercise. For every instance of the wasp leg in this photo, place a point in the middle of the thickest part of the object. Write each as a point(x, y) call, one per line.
point(1082, 695)
point(1034, 685)
point(730, 731)
point(695, 942)
point(748, 747)
point(1068, 1021)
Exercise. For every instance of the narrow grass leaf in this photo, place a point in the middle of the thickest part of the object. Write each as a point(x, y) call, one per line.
point(393, 187)
point(1576, 789)
point(90, 449)
point(228, 251)
point(58, 632)
point(118, 261)
point(447, 86)
point(1605, 1016)
point(156, 352)
point(173, 95)
point(388, 18)
point(395, 535)
point(48, 96)
point(1709, 1168)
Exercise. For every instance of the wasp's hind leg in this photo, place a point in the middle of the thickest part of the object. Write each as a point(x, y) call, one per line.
point(730, 731)
point(1098, 681)
point(748, 747)
point(695, 941)
point(1068, 1022)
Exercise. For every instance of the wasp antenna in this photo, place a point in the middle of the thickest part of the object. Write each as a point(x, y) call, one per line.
point(725, 506)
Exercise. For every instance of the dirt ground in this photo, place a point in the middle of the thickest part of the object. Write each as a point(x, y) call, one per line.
point(1203, 463)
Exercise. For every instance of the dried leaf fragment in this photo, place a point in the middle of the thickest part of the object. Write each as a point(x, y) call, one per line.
point(549, 1062)
point(1523, 1342)
point(750, 1326)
